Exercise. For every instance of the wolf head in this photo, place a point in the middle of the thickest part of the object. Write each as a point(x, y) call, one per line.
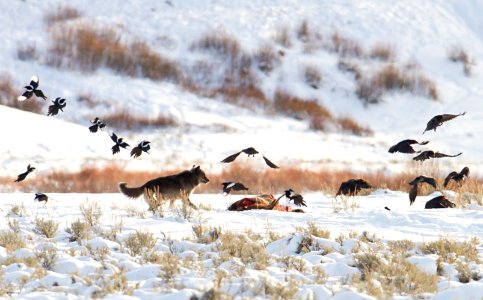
point(200, 175)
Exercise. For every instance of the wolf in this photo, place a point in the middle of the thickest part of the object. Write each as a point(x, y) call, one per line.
point(168, 188)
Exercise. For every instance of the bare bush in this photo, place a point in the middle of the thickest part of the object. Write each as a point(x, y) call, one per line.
point(449, 249)
point(313, 77)
point(11, 240)
point(383, 52)
point(125, 119)
point(458, 54)
point(299, 108)
point(350, 125)
point(89, 47)
point(350, 67)
point(26, 52)
point(303, 32)
point(140, 242)
point(61, 14)
point(48, 228)
point(283, 38)
point(344, 46)
point(267, 58)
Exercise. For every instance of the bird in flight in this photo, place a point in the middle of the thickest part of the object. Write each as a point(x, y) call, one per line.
point(431, 154)
point(41, 197)
point(140, 148)
point(250, 152)
point(119, 143)
point(404, 146)
point(438, 120)
point(98, 124)
point(229, 186)
point(59, 104)
point(413, 192)
point(32, 89)
point(23, 175)
point(457, 177)
point(352, 186)
point(297, 198)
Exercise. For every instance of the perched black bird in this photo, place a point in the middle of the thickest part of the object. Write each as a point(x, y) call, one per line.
point(438, 121)
point(119, 143)
point(32, 89)
point(404, 146)
point(41, 197)
point(24, 174)
point(98, 124)
point(457, 177)
point(413, 192)
point(140, 148)
point(297, 198)
point(431, 154)
point(235, 186)
point(352, 186)
point(439, 202)
point(250, 152)
point(59, 103)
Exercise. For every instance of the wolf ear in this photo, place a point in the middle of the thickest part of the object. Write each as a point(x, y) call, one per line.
point(195, 168)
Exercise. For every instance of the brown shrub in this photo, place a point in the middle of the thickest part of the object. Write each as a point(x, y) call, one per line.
point(298, 107)
point(89, 47)
point(267, 58)
point(312, 76)
point(282, 37)
point(350, 125)
point(127, 120)
point(9, 94)
point(61, 14)
point(344, 46)
point(390, 78)
point(458, 54)
point(382, 52)
point(303, 32)
point(350, 67)
point(27, 52)
point(219, 43)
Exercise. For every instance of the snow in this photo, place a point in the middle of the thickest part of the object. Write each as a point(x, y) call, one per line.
point(209, 129)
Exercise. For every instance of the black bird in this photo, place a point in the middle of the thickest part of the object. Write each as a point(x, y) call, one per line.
point(59, 103)
point(438, 121)
point(41, 197)
point(404, 146)
point(98, 124)
point(24, 174)
point(431, 154)
point(352, 186)
point(119, 143)
point(235, 186)
point(32, 89)
point(140, 148)
point(457, 177)
point(439, 202)
point(297, 198)
point(386, 208)
point(413, 192)
point(250, 152)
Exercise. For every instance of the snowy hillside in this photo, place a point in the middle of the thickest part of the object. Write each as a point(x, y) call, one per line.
point(207, 129)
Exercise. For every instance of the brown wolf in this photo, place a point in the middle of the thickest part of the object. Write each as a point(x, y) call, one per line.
point(167, 188)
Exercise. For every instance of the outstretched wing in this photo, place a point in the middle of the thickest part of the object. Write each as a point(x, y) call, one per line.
point(26, 95)
point(40, 94)
point(136, 152)
point(298, 200)
point(114, 137)
point(413, 192)
point(269, 163)
point(231, 157)
point(448, 178)
point(447, 117)
point(423, 156)
point(465, 172)
point(437, 154)
point(429, 180)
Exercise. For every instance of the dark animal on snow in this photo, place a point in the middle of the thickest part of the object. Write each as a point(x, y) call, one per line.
point(250, 152)
point(41, 197)
point(404, 146)
point(352, 186)
point(439, 202)
point(413, 192)
point(438, 120)
point(168, 188)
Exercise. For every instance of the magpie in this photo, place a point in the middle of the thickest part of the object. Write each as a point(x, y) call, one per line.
point(32, 89)
point(59, 103)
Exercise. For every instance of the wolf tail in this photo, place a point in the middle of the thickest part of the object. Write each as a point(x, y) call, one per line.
point(131, 192)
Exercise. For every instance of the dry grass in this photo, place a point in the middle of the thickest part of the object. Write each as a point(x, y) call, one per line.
point(383, 52)
point(267, 58)
point(61, 14)
point(9, 94)
point(350, 125)
point(299, 108)
point(390, 78)
point(344, 46)
point(303, 32)
point(450, 249)
point(283, 37)
point(26, 52)
point(88, 47)
point(312, 77)
point(350, 67)
point(458, 54)
point(124, 119)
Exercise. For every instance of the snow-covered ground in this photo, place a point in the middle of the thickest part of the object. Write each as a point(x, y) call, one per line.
point(174, 234)
point(208, 130)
